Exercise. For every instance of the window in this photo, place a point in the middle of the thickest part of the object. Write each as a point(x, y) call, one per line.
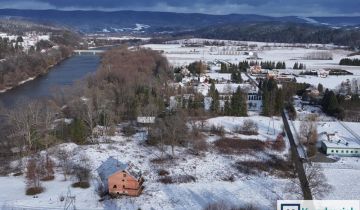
point(351, 151)
point(347, 151)
point(114, 186)
point(356, 151)
point(124, 175)
point(337, 151)
point(332, 150)
point(342, 151)
point(123, 186)
point(123, 180)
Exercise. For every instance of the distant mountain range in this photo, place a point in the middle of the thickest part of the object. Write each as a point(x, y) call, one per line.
point(148, 22)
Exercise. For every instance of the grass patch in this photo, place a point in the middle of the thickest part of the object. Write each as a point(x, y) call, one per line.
point(83, 185)
point(34, 190)
point(237, 146)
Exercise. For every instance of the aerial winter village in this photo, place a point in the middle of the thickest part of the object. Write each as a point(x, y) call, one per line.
point(253, 121)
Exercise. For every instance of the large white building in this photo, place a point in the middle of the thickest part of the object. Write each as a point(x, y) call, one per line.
point(335, 145)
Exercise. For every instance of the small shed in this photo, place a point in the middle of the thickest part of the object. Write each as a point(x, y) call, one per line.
point(120, 179)
point(145, 120)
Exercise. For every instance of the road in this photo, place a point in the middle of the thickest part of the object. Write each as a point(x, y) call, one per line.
point(297, 160)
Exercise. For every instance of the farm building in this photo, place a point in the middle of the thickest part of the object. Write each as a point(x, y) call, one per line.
point(120, 179)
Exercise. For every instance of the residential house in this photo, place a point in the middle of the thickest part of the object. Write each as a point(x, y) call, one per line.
point(120, 179)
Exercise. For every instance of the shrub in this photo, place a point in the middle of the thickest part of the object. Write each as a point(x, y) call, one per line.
point(249, 127)
point(177, 179)
point(129, 130)
point(217, 130)
point(236, 146)
point(273, 166)
point(34, 190)
point(163, 172)
point(229, 178)
point(200, 144)
point(48, 178)
point(82, 185)
point(161, 160)
point(166, 180)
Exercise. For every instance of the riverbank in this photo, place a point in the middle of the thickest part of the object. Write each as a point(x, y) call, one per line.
point(48, 69)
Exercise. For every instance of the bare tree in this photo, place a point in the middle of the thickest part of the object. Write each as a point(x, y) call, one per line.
point(64, 162)
point(33, 176)
point(308, 134)
point(316, 179)
point(25, 120)
point(176, 130)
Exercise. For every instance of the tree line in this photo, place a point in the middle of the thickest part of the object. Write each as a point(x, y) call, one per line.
point(280, 32)
point(350, 62)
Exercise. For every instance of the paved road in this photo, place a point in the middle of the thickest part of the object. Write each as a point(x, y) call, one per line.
point(297, 160)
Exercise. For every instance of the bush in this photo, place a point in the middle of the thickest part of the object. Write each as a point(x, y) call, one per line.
point(237, 146)
point(163, 172)
point(34, 190)
point(279, 144)
point(200, 144)
point(217, 130)
point(177, 179)
point(229, 178)
point(274, 166)
point(129, 130)
point(161, 160)
point(166, 180)
point(249, 127)
point(47, 178)
point(83, 185)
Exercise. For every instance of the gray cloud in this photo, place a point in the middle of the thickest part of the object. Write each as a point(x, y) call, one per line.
point(265, 7)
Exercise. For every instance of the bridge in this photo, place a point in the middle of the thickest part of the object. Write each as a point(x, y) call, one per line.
point(87, 52)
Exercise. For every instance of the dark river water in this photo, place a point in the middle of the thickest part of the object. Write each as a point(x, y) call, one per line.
point(66, 73)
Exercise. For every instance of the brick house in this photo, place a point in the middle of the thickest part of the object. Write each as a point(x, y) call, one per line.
point(120, 179)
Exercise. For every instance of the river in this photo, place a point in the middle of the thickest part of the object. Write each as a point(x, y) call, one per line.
point(65, 73)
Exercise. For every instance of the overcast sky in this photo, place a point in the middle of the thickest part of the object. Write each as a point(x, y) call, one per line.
point(264, 7)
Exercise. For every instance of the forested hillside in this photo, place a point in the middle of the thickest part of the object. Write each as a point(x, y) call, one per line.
point(21, 61)
point(280, 32)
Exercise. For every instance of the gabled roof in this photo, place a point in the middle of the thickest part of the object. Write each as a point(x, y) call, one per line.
point(112, 165)
point(109, 167)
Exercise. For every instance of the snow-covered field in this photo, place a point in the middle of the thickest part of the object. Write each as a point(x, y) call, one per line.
point(179, 55)
point(210, 168)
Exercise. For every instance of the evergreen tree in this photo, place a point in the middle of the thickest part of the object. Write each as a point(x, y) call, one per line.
point(238, 103)
point(279, 101)
point(301, 66)
point(78, 131)
point(296, 66)
point(227, 108)
point(320, 88)
point(215, 104)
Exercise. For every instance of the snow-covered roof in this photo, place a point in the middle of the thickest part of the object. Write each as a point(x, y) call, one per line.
point(109, 167)
point(112, 165)
point(341, 144)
